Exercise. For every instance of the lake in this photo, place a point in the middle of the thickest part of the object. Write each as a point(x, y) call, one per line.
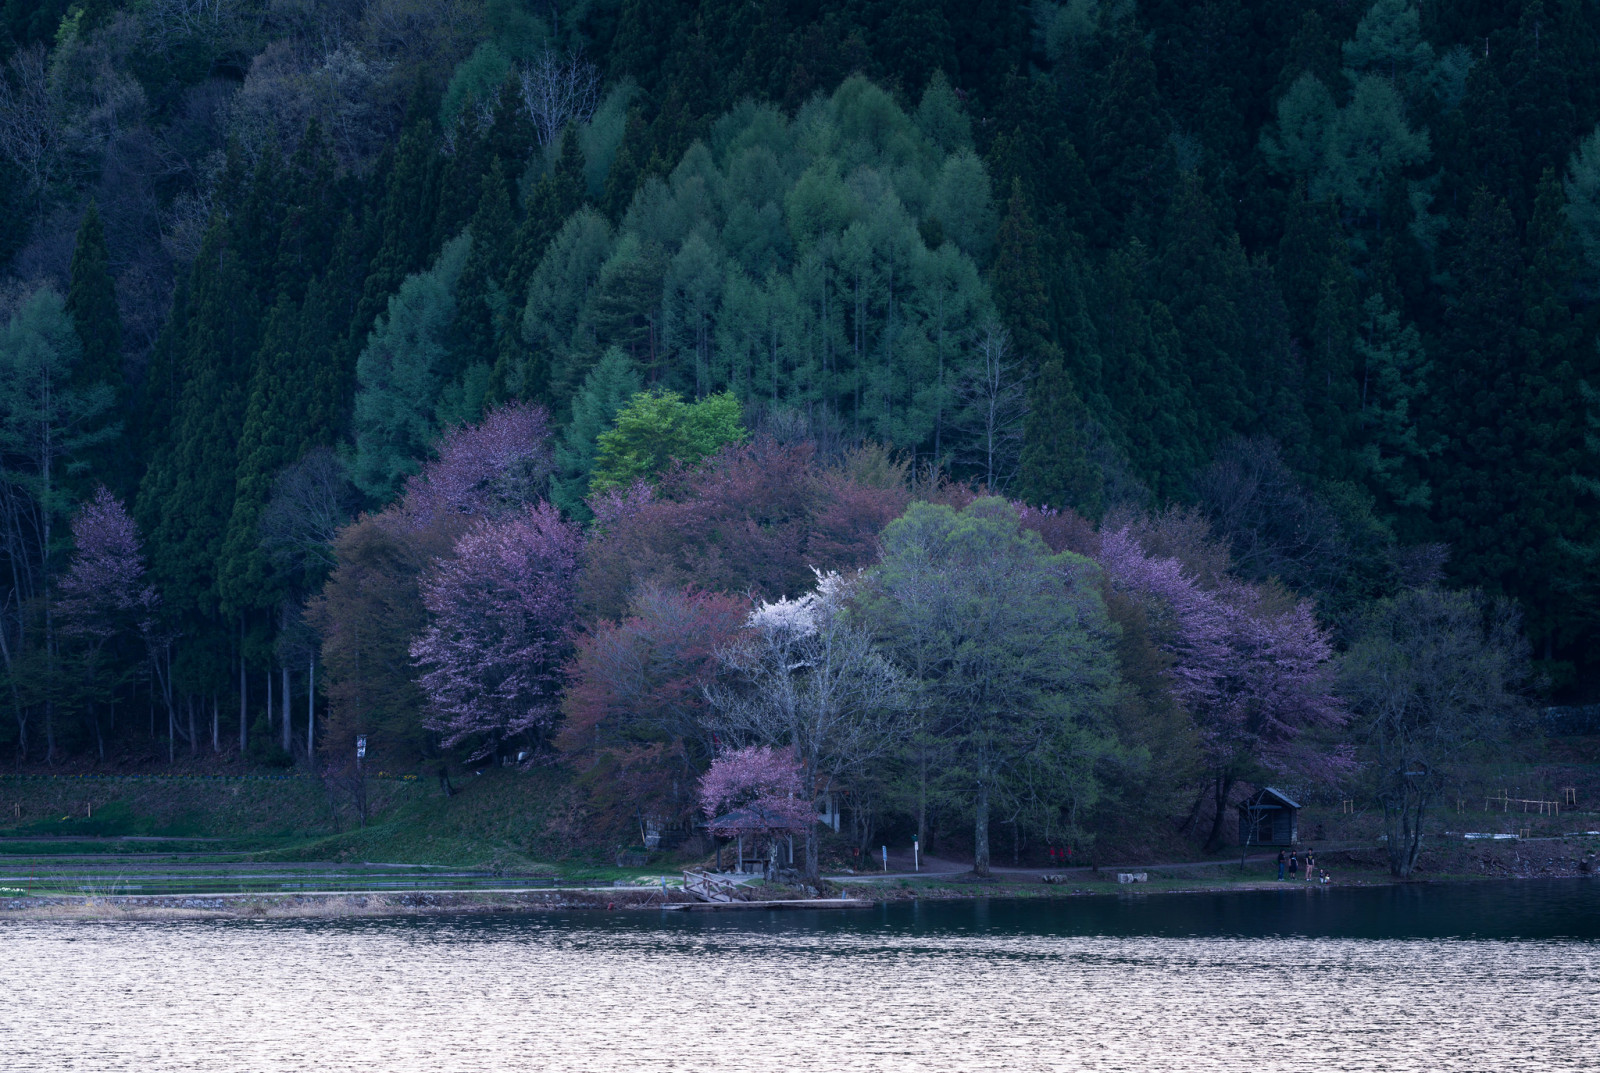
point(1491, 976)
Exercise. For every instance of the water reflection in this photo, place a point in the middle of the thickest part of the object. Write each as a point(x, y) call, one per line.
point(1471, 977)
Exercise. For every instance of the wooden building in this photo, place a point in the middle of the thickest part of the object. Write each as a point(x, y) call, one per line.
point(1269, 818)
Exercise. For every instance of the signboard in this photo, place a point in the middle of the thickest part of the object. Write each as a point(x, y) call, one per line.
point(361, 747)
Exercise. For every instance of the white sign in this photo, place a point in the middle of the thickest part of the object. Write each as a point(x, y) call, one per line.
point(361, 747)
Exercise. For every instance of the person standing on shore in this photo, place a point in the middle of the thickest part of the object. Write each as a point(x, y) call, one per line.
point(1282, 858)
point(1311, 865)
point(1294, 866)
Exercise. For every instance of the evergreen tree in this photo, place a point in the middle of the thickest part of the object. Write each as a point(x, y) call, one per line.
point(404, 222)
point(605, 391)
point(1056, 470)
point(186, 498)
point(1018, 282)
point(92, 305)
point(482, 304)
point(1394, 388)
point(398, 374)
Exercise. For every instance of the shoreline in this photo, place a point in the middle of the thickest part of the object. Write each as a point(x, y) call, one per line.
point(342, 905)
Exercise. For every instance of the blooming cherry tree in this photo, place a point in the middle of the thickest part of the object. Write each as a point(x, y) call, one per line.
point(500, 623)
point(756, 790)
point(1252, 666)
point(498, 465)
point(104, 590)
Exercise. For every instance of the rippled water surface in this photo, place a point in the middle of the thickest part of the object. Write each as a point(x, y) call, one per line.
point(1484, 977)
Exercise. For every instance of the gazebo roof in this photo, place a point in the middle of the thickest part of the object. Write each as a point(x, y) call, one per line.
point(750, 818)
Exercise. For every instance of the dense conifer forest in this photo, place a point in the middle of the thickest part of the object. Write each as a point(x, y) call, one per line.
point(461, 372)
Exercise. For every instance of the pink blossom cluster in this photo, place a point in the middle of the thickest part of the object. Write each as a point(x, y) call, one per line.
point(756, 790)
point(104, 590)
point(484, 469)
point(500, 633)
point(1254, 668)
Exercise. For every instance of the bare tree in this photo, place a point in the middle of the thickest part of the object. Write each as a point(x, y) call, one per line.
point(1432, 675)
point(168, 21)
point(994, 402)
point(31, 130)
point(311, 500)
point(804, 676)
point(558, 89)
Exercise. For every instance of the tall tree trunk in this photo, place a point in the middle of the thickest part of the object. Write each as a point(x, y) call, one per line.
point(980, 832)
point(269, 696)
point(243, 680)
point(216, 725)
point(311, 708)
point(1223, 787)
point(922, 798)
point(288, 745)
point(194, 738)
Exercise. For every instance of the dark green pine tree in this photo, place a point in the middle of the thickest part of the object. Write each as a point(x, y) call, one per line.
point(404, 240)
point(257, 226)
point(485, 326)
point(92, 305)
point(1312, 49)
point(1130, 157)
point(481, 299)
point(1153, 415)
point(622, 181)
point(1309, 233)
point(510, 139)
point(1204, 277)
point(1539, 93)
point(1331, 394)
point(1055, 468)
point(1018, 283)
point(306, 240)
point(460, 179)
point(186, 497)
point(272, 436)
point(156, 397)
point(1548, 428)
point(1477, 471)
point(568, 178)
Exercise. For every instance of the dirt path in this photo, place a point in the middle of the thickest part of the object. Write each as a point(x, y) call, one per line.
point(900, 865)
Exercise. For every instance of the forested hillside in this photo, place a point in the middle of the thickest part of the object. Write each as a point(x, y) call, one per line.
point(308, 303)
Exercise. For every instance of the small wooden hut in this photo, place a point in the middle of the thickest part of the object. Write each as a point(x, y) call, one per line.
point(1269, 818)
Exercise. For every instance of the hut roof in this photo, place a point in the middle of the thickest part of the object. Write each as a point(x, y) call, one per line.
point(1271, 797)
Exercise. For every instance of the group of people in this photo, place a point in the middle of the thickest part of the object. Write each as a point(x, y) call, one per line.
point(1291, 859)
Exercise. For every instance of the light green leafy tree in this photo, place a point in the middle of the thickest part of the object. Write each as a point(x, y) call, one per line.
point(1010, 656)
point(656, 429)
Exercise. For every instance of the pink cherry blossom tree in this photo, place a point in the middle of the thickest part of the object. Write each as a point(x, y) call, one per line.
point(756, 792)
point(1250, 663)
point(499, 465)
point(104, 594)
point(499, 631)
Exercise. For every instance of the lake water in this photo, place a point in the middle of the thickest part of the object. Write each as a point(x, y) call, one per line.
point(1494, 976)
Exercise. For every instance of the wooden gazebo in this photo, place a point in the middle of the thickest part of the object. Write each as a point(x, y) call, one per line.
point(756, 823)
point(1269, 818)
